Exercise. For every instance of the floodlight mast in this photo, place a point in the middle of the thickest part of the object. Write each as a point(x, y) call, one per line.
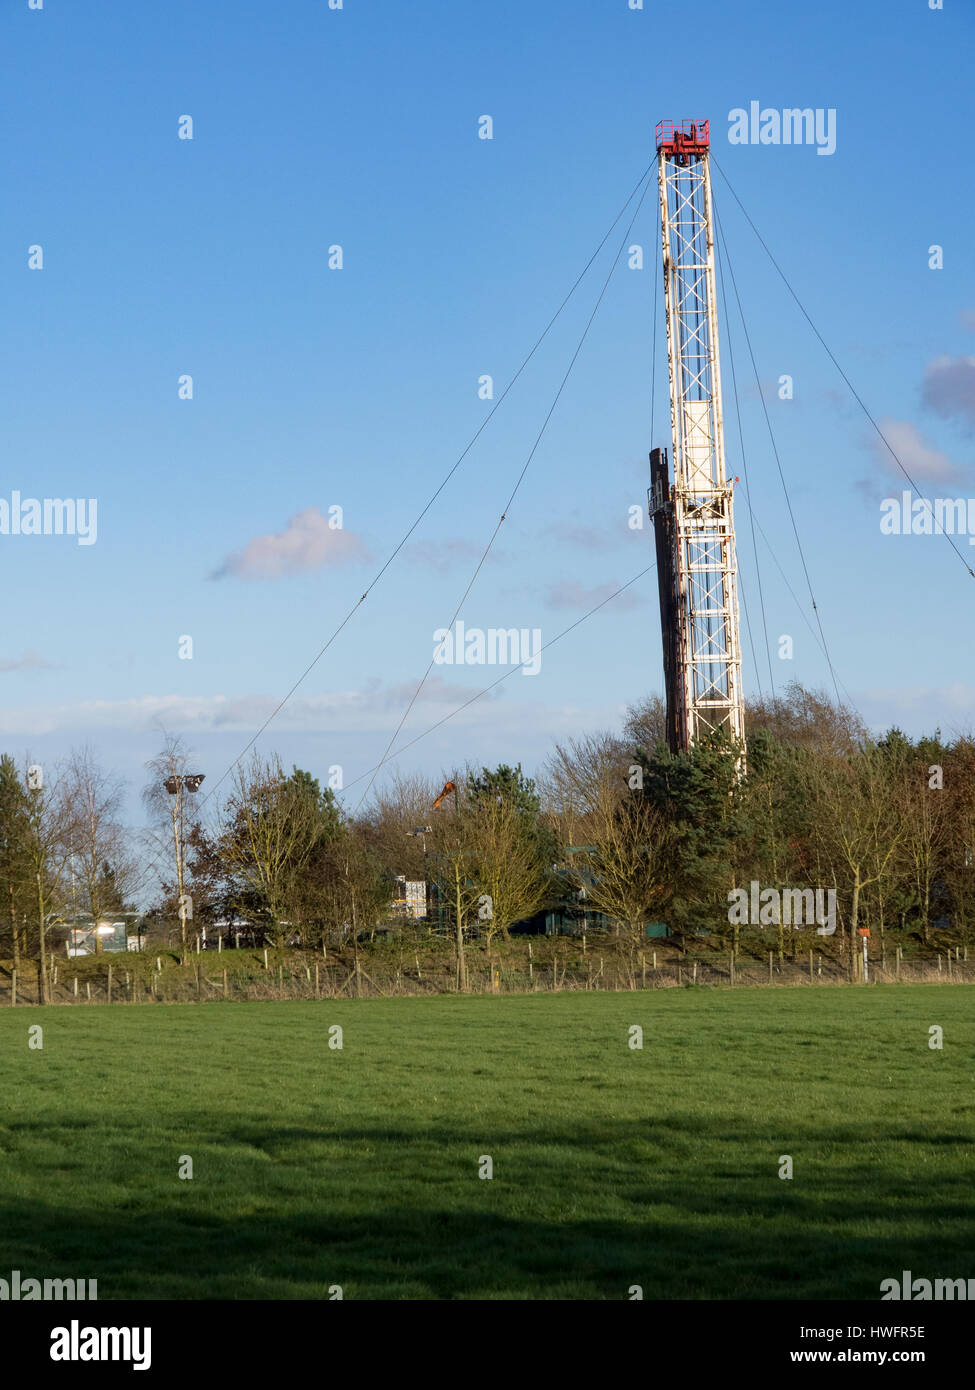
point(694, 517)
point(177, 785)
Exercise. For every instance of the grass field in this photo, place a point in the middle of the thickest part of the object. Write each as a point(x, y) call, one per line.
point(612, 1167)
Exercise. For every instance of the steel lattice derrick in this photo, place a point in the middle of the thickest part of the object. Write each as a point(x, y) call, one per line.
point(694, 518)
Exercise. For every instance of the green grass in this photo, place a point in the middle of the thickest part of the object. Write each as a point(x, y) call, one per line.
point(612, 1167)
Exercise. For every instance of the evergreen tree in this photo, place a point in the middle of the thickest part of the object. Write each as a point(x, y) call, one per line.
point(18, 892)
point(699, 796)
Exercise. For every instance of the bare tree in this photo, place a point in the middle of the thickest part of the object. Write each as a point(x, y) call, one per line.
point(646, 723)
point(807, 719)
point(356, 890)
point(858, 826)
point(959, 859)
point(270, 829)
point(455, 849)
point(46, 845)
point(924, 812)
point(91, 801)
point(576, 779)
point(390, 822)
point(623, 870)
point(164, 797)
point(504, 864)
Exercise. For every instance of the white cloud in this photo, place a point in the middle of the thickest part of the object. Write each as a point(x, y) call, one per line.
point(585, 537)
point(949, 388)
point(374, 707)
point(921, 460)
point(579, 528)
point(442, 556)
point(30, 661)
point(569, 593)
point(307, 543)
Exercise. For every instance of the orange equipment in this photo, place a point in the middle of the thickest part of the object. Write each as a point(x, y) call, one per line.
point(448, 788)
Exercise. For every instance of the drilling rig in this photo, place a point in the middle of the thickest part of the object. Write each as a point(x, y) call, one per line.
point(693, 514)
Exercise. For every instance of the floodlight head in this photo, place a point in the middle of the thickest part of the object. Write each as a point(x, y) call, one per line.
point(190, 782)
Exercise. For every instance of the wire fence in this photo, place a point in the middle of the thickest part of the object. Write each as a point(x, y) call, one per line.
point(551, 967)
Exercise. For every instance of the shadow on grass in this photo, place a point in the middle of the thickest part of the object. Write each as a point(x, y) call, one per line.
point(719, 1225)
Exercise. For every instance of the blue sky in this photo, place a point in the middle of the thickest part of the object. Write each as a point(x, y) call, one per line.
point(357, 387)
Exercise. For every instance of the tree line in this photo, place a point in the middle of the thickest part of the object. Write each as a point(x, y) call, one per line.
point(614, 824)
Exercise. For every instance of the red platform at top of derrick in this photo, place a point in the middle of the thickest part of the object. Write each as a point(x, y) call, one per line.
point(689, 137)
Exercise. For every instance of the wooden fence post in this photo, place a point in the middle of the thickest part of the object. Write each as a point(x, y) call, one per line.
point(110, 983)
point(13, 988)
point(770, 967)
point(731, 968)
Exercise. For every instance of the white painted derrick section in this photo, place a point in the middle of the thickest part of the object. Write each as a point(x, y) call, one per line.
point(708, 650)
